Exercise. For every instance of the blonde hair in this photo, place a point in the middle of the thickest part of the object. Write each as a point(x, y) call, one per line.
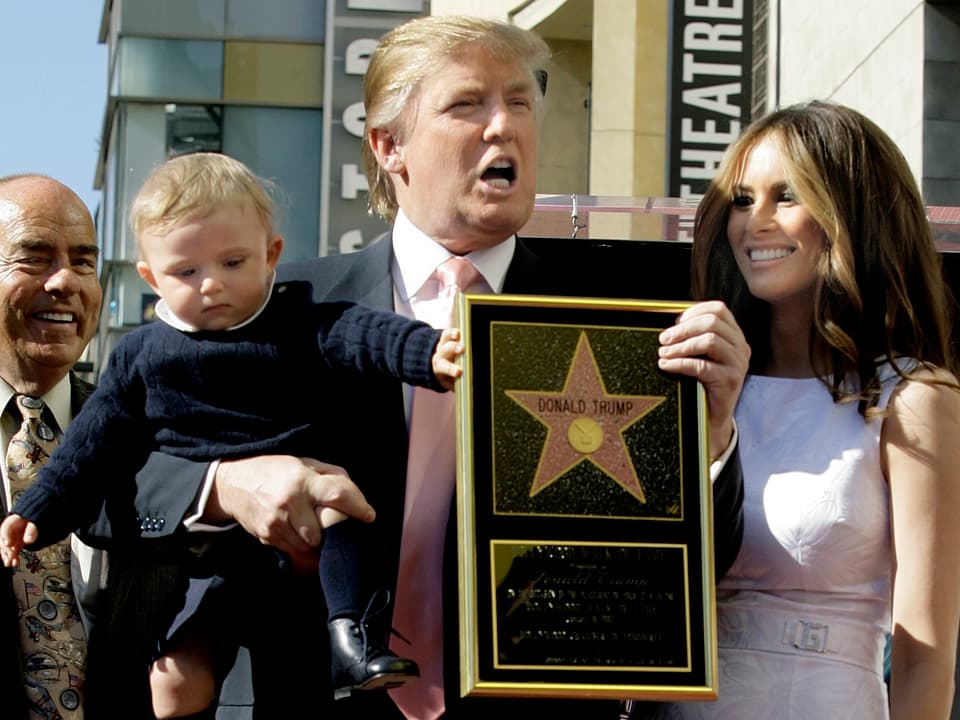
point(881, 292)
point(406, 55)
point(192, 186)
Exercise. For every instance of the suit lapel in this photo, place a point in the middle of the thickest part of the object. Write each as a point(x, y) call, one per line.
point(522, 273)
point(362, 277)
point(80, 392)
point(378, 289)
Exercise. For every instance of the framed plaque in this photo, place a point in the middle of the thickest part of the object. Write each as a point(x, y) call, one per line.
point(584, 504)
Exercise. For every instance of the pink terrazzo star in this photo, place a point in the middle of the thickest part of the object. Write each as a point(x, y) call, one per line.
point(585, 423)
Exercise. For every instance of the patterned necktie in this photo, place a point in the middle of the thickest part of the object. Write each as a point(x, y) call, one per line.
point(53, 641)
point(431, 474)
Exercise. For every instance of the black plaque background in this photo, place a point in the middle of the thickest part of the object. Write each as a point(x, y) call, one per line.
point(589, 605)
point(539, 357)
point(586, 525)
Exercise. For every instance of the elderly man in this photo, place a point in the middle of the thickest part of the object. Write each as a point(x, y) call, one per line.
point(453, 107)
point(49, 307)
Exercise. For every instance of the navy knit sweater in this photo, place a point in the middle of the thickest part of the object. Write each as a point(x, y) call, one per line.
point(258, 389)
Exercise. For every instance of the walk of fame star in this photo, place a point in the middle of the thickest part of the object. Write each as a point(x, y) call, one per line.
point(585, 423)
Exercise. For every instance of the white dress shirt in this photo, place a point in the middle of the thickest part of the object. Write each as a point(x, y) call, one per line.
point(416, 256)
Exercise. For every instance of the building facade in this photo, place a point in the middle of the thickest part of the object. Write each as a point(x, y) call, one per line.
point(235, 76)
point(643, 97)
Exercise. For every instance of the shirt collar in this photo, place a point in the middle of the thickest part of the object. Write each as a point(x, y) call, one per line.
point(165, 314)
point(416, 256)
point(58, 400)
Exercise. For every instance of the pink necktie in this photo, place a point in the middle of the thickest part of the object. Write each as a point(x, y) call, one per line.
point(431, 470)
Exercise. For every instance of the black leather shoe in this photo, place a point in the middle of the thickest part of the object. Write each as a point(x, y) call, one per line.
point(358, 664)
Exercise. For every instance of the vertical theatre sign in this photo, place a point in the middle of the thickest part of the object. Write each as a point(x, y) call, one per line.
point(710, 72)
point(353, 30)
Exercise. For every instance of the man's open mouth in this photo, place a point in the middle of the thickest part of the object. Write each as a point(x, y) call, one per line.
point(500, 174)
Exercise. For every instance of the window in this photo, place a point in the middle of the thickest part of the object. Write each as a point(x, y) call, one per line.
point(153, 67)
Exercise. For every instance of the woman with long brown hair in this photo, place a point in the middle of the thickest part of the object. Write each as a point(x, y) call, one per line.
point(815, 235)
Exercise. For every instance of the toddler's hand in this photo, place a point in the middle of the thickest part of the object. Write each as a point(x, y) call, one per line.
point(15, 532)
point(449, 349)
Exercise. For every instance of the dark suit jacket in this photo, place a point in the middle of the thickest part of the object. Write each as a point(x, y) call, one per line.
point(371, 443)
point(11, 668)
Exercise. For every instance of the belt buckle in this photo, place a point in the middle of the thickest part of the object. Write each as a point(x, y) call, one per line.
point(806, 635)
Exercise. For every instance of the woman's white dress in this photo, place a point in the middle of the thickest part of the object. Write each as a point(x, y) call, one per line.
point(802, 614)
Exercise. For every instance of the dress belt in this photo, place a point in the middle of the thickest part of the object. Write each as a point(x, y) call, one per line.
point(768, 630)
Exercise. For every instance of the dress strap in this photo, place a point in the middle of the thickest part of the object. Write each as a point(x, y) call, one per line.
point(889, 379)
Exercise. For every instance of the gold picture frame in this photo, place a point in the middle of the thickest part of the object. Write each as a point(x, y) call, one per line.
point(584, 505)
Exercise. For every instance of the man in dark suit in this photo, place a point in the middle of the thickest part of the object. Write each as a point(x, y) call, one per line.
point(49, 305)
point(452, 117)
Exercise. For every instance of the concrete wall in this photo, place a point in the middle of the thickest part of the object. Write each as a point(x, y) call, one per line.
point(628, 117)
point(565, 140)
point(862, 53)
